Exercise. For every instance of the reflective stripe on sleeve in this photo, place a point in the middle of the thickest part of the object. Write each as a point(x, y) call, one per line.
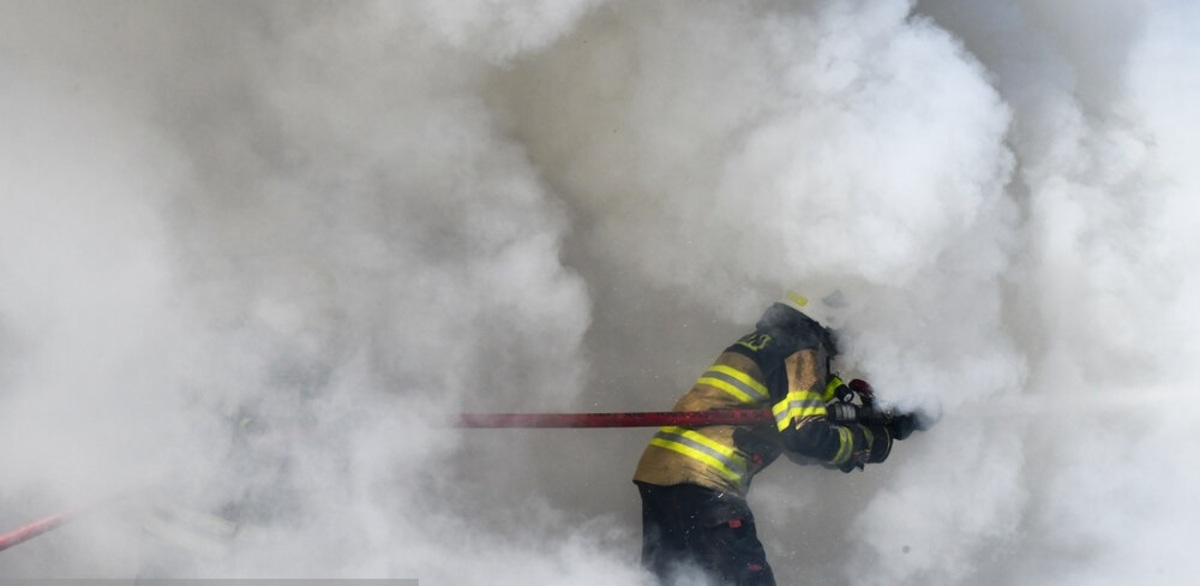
point(797, 405)
point(700, 447)
point(831, 388)
point(736, 383)
point(846, 441)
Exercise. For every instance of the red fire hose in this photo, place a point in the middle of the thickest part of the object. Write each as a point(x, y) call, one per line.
point(31, 530)
point(512, 420)
point(645, 419)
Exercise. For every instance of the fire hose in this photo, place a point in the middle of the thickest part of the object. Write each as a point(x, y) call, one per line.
point(742, 417)
point(495, 420)
point(27, 532)
point(644, 419)
point(499, 420)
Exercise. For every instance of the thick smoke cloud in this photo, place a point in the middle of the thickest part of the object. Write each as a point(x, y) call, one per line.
point(252, 253)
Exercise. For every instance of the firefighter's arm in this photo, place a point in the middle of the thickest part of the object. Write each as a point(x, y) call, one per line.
point(844, 447)
point(805, 429)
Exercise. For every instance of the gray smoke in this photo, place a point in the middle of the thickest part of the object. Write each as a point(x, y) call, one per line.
point(251, 254)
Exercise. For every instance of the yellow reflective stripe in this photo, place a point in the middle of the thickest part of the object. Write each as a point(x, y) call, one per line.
point(735, 382)
point(831, 388)
point(697, 446)
point(728, 388)
point(797, 405)
point(782, 417)
point(758, 388)
point(696, 455)
point(846, 441)
point(703, 440)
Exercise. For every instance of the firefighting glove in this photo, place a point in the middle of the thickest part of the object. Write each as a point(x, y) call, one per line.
point(872, 444)
point(902, 426)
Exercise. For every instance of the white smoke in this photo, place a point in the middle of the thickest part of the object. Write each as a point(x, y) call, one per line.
point(250, 254)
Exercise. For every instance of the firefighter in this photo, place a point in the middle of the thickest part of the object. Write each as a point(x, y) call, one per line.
point(693, 481)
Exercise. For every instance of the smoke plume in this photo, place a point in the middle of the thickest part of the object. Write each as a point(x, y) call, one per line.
point(252, 254)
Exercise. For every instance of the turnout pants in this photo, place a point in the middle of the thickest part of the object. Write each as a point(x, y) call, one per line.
point(689, 529)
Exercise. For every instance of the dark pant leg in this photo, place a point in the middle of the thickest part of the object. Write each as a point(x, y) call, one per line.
point(664, 528)
point(691, 526)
